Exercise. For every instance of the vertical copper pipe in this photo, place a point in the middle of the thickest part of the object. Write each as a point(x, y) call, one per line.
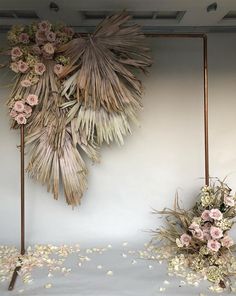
point(22, 199)
point(206, 128)
point(22, 171)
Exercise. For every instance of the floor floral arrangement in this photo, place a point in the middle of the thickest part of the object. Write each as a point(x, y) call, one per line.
point(196, 243)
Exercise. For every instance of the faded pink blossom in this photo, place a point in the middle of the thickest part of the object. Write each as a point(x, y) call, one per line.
point(22, 66)
point(28, 110)
point(40, 37)
point(69, 31)
point(14, 67)
point(216, 232)
point(227, 241)
point(20, 118)
point(51, 36)
point(229, 201)
point(13, 113)
point(36, 49)
point(206, 234)
point(213, 245)
point(49, 48)
point(205, 216)
point(193, 226)
point(19, 106)
point(25, 83)
point(58, 69)
point(44, 26)
point(24, 38)
point(215, 214)
point(198, 233)
point(185, 239)
point(16, 52)
point(32, 99)
point(39, 68)
point(207, 226)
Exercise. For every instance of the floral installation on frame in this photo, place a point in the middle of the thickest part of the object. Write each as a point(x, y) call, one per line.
point(72, 93)
point(196, 243)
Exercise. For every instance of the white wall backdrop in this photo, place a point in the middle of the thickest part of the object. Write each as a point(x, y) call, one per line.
point(164, 154)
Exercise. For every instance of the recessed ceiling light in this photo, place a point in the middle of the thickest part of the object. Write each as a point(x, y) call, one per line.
point(231, 15)
point(138, 15)
point(23, 14)
point(53, 6)
point(212, 7)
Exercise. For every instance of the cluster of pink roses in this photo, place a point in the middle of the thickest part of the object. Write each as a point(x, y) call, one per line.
point(31, 49)
point(22, 109)
point(206, 229)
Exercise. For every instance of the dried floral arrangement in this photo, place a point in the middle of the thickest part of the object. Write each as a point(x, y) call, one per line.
point(72, 93)
point(196, 242)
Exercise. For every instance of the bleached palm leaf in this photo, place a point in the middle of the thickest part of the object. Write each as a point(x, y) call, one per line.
point(52, 142)
point(102, 82)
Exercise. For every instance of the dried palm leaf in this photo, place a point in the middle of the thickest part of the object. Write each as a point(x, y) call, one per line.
point(100, 125)
point(105, 95)
point(52, 142)
point(47, 164)
point(94, 100)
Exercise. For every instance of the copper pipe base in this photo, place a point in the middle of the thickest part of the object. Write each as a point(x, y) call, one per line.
point(13, 278)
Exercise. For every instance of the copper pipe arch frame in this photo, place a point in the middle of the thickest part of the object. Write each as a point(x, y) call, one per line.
point(205, 100)
point(206, 138)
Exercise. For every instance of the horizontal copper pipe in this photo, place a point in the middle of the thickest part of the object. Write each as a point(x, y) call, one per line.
point(162, 35)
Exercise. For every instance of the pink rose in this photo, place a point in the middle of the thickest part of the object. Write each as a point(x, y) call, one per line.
point(227, 241)
point(215, 214)
point(13, 113)
point(185, 239)
point(21, 119)
point(51, 36)
point(198, 233)
point(49, 48)
point(44, 26)
point(206, 235)
point(22, 66)
point(39, 68)
point(36, 50)
point(40, 37)
point(32, 99)
point(28, 110)
point(213, 245)
point(14, 67)
point(205, 216)
point(25, 83)
point(58, 69)
point(216, 232)
point(24, 38)
point(229, 201)
point(16, 52)
point(19, 106)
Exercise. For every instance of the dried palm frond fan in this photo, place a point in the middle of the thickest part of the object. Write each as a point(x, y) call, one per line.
point(73, 93)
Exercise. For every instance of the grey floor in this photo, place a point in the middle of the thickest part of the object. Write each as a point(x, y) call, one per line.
point(116, 272)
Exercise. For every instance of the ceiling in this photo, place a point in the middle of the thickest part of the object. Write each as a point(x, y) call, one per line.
point(153, 15)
